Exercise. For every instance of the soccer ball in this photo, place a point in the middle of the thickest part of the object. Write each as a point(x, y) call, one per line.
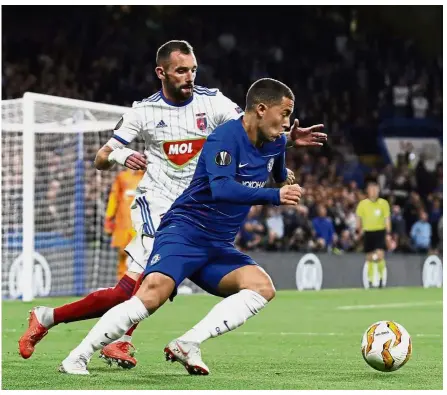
point(386, 346)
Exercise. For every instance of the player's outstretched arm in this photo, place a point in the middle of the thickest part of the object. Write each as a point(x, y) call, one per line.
point(226, 189)
point(306, 137)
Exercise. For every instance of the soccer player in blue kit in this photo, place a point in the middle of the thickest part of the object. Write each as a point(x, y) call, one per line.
point(195, 239)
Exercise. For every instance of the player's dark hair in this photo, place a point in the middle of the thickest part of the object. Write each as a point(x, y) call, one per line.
point(267, 91)
point(164, 52)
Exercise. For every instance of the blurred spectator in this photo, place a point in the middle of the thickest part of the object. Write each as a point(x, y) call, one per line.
point(385, 179)
point(301, 237)
point(401, 93)
point(252, 229)
point(425, 179)
point(435, 214)
point(275, 227)
point(306, 166)
point(402, 184)
point(51, 220)
point(420, 104)
point(291, 219)
point(435, 211)
point(350, 219)
point(324, 229)
point(412, 209)
point(346, 242)
point(397, 221)
point(421, 233)
point(398, 227)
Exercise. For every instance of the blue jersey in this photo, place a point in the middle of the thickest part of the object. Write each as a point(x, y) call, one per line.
point(230, 177)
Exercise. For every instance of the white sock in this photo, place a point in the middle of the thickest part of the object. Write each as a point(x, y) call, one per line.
point(111, 326)
point(227, 315)
point(45, 316)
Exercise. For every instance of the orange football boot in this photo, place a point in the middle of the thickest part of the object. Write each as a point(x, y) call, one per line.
point(121, 353)
point(33, 335)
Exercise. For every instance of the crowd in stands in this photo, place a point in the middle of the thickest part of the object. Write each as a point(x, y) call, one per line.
point(325, 220)
point(342, 76)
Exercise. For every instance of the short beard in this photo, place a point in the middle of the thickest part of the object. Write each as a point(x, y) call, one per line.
point(176, 94)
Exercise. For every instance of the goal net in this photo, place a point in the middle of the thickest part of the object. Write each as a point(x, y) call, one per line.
point(53, 199)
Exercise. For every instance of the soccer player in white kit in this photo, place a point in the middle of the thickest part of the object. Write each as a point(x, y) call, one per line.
point(174, 124)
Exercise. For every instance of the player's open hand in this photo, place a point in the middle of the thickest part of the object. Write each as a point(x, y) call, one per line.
point(307, 137)
point(290, 194)
point(136, 161)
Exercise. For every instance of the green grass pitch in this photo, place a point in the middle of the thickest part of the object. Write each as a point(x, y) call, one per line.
point(302, 340)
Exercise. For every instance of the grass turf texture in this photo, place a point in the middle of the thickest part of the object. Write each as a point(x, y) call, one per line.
point(302, 340)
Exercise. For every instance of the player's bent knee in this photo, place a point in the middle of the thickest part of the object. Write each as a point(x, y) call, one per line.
point(155, 290)
point(262, 285)
point(267, 291)
point(260, 282)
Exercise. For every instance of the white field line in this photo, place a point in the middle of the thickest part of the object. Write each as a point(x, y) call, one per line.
point(61, 331)
point(389, 305)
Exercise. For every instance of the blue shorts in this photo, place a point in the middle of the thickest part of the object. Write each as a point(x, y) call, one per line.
point(178, 257)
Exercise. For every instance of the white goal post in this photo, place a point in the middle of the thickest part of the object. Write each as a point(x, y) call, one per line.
point(43, 122)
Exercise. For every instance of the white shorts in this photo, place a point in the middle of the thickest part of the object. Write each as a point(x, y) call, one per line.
point(146, 217)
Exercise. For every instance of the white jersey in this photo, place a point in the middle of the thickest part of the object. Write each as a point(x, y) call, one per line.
point(174, 136)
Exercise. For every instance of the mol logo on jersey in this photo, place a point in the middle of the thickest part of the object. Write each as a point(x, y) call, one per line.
point(181, 152)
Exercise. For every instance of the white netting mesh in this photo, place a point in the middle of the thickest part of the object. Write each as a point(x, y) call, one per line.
point(70, 198)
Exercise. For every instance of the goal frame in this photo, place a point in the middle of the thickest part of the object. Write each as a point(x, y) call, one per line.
point(28, 180)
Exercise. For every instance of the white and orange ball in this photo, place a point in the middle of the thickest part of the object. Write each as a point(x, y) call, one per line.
point(386, 346)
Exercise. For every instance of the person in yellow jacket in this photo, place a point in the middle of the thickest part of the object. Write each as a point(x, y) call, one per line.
point(373, 221)
point(118, 222)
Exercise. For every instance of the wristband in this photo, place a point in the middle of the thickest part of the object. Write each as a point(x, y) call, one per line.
point(120, 155)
